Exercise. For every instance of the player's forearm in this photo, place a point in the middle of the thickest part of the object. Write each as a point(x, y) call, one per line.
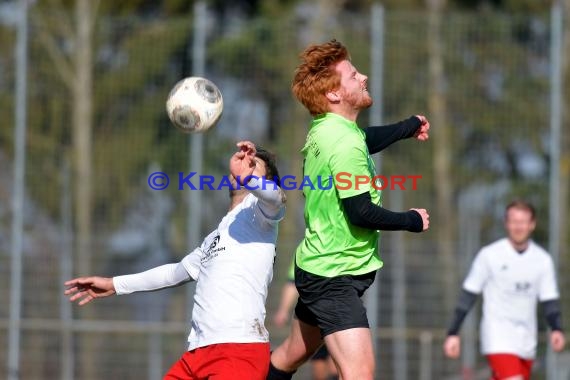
point(465, 303)
point(379, 138)
point(363, 213)
point(164, 276)
point(288, 297)
point(552, 314)
point(271, 197)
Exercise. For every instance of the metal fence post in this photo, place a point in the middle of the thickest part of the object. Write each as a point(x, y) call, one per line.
point(554, 180)
point(376, 84)
point(18, 193)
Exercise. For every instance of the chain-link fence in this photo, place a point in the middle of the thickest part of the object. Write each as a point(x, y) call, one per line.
point(481, 78)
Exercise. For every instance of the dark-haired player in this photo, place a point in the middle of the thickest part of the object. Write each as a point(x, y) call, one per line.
point(233, 268)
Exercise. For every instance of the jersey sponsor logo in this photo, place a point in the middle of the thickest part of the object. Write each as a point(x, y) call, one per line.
point(214, 243)
point(522, 287)
point(213, 249)
point(314, 148)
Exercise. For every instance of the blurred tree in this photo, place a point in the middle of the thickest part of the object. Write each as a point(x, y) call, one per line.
point(144, 8)
point(443, 153)
point(76, 73)
point(82, 90)
point(129, 91)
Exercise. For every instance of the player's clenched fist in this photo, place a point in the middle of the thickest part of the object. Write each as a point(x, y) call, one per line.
point(425, 217)
point(557, 340)
point(86, 289)
point(452, 346)
point(422, 133)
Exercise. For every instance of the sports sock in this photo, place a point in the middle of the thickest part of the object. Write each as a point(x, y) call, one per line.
point(277, 374)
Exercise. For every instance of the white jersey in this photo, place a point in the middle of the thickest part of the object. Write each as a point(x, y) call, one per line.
point(233, 269)
point(511, 283)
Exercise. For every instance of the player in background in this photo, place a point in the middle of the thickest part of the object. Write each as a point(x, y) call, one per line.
point(512, 274)
point(233, 268)
point(338, 257)
point(322, 365)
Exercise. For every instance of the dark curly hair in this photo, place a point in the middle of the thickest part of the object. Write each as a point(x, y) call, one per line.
point(270, 165)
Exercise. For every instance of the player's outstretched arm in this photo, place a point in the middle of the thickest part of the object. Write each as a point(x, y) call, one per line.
point(86, 289)
point(288, 296)
point(161, 277)
point(379, 138)
point(271, 197)
point(363, 213)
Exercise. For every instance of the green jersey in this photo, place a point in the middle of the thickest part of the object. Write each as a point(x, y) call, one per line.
point(336, 156)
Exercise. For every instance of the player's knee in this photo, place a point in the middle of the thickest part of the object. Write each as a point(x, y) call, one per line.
point(358, 377)
point(289, 356)
point(363, 372)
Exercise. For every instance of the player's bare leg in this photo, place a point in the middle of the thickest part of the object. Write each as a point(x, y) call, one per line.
point(319, 369)
point(300, 345)
point(516, 377)
point(352, 352)
point(333, 369)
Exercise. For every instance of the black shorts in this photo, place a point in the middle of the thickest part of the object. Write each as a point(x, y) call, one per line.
point(332, 303)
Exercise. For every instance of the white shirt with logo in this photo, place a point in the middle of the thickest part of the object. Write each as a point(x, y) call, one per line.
point(233, 268)
point(511, 283)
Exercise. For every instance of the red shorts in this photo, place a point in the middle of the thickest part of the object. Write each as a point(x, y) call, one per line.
point(228, 361)
point(507, 365)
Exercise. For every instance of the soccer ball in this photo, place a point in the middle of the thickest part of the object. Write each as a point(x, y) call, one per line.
point(194, 104)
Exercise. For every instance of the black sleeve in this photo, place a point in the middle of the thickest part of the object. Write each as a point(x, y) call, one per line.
point(361, 212)
point(465, 303)
point(378, 138)
point(552, 314)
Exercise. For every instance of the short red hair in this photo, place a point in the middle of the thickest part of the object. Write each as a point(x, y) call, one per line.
point(316, 75)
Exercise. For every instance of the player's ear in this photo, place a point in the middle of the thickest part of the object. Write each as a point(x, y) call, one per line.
point(532, 225)
point(333, 96)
